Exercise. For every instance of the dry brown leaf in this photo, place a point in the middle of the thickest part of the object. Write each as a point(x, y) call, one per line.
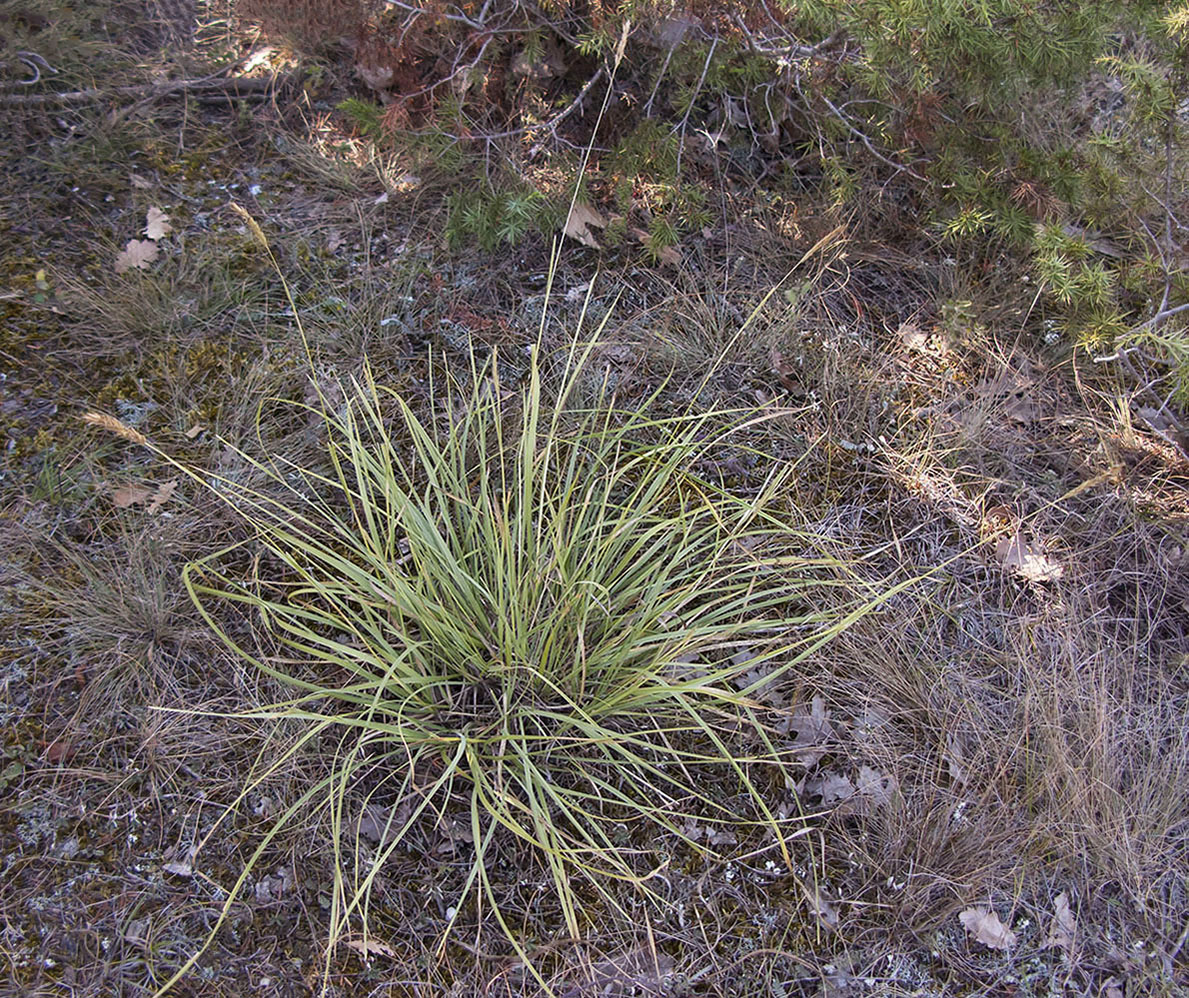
point(639, 971)
point(194, 431)
point(157, 224)
point(161, 496)
point(670, 255)
point(666, 254)
point(383, 825)
point(60, 751)
point(1027, 560)
point(955, 758)
point(581, 222)
point(1064, 927)
point(822, 908)
point(137, 253)
point(782, 367)
point(831, 787)
point(141, 183)
point(370, 947)
point(812, 729)
point(913, 338)
point(984, 927)
point(375, 77)
point(130, 495)
point(879, 788)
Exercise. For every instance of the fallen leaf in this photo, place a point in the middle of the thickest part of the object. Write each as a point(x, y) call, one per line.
point(194, 431)
point(581, 222)
point(955, 758)
point(141, 183)
point(136, 932)
point(157, 224)
point(334, 239)
point(811, 730)
point(382, 825)
point(375, 77)
point(821, 907)
point(130, 495)
point(831, 787)
point(367, 948)
point(879, 788)
point(273, 887)
point(1064, 927)
point(666, 254)
point(913, 338)
point(60, 751)
point(782, 368)
point(178, 867)
point(161, 496)
point(543, 61)
point(984, 927)
point(137, 253)
point(670, 255)
point(639, 971)
point(1027, 560)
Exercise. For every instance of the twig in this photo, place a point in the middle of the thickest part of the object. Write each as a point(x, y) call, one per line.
point(693, 100)
point(841, 116)
point(230, 89)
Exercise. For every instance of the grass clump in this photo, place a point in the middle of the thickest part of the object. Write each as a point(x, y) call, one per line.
point(536, 614)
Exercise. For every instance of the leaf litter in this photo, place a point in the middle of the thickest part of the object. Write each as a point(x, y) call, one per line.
point(984, 927)
point(581, 223)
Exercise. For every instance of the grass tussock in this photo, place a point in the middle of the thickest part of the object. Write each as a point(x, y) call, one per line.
point(533, 613)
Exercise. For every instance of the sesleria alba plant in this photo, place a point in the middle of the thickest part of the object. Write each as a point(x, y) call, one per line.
point(526, 607)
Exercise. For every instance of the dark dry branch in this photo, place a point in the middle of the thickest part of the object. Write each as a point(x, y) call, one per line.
point(255, 88)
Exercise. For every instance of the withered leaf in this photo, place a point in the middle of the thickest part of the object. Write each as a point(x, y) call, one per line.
point(138, 253)
point(831, 787)
point(370, 947)
point(382, 825)
point(811, 729)
point(157, 224)
point(161, 496)
point(984, 927)
point(581, 223)
point(1064, 926)
point(130, 495)
point(1027, 560)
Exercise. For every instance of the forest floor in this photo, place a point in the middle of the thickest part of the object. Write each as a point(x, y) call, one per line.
point(1022, 702)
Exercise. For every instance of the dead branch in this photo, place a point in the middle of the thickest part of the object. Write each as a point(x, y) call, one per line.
point(254, 88)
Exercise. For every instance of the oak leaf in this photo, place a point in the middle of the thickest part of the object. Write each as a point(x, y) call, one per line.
point(137, 253)
point(1027, 560)
point(367, 948)
point(157, 224)
point(984, 927)
point(581, 222)
point(130, 495)
point(1064, 927)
